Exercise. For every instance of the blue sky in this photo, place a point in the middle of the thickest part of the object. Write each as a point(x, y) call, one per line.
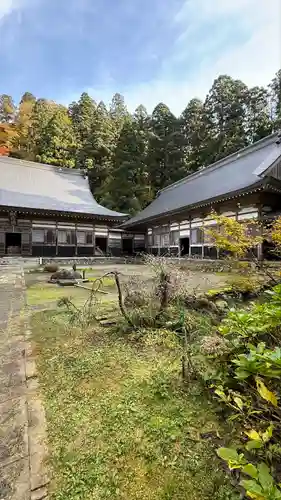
point(148, 50)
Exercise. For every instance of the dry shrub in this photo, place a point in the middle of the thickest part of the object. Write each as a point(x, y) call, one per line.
point(51, 268)
point(214, 345)
point(156, 301)
point(170, 283)
point(137, 293)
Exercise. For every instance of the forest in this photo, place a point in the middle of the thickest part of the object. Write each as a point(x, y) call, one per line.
point(129, 157)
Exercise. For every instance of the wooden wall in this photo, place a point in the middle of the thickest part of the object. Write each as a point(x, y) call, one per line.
point(47, 237)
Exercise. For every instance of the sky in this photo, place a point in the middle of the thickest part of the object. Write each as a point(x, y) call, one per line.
point(150, 51)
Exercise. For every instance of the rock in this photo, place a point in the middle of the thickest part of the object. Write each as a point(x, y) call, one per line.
point(221, 304)
point(224, 297)
point(65, 274)
point(77, 275)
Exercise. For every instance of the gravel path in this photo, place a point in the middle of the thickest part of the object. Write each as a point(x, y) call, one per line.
point(22, 431)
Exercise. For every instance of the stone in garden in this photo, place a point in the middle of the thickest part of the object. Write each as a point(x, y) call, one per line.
point(65, 274)
point(221, 304)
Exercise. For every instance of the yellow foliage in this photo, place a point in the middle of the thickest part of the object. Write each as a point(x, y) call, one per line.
point(254, 496)
point(253, 435)
point(265, 393)
point(233, 236)
point(275, 233)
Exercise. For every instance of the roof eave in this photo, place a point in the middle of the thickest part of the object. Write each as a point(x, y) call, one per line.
point(257, 186)
point(56, 213)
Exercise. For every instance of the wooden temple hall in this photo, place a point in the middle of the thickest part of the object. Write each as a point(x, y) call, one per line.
point(245, 185)
point(48, 211)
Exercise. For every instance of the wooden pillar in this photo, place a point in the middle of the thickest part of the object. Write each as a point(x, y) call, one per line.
point(169, 237)
point(26, 242)
point(2, 240)
point(76, 252)
point(189, 250)
point(57, 237)
point(202, 230)
point(260, 245)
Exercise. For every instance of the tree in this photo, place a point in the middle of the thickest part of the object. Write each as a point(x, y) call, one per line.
point(258, 122)
point(118, 113)
point(99, 149)
point(130, 157)
point(166, 149)
point(42, 112)
point(225, 112)
point(7, 135)
point(127, 188)
point(233, 237)
point(7, 108)
point(275, 90)
point(82, 116)
point(194, 133)
point(58, 145)
point(22, 143)
point(27, 97)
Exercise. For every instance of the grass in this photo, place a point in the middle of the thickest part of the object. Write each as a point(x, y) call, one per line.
point(42, 293)
point(121, 425)
point(107, 281)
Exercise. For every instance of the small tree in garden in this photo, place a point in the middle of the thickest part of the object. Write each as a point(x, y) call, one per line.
point(275, 235)
point(233, 237)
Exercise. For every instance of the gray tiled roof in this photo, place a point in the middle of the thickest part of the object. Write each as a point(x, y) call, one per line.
point(25, 184)
point(234, 173)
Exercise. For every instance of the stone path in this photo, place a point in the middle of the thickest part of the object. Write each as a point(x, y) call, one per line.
point(22, 424)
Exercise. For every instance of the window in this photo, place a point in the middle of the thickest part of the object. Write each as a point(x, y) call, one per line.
point(89, 238)
point(70, 237)
point(161, 236)
point(156, 240)
point(196, 236)
point(174, 238)
point(84, 238)
point(62, 237)
point(50, 236)
point(81, 237)
point(66, 237)
point(165, 240)
point(38, 235)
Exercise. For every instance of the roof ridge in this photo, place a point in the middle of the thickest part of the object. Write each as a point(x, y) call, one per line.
point(42, 166)
point(224, 161)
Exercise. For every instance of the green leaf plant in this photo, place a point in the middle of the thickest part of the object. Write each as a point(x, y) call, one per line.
point(262, 485)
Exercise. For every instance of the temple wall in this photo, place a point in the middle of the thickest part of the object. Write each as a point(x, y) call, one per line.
point(49, 237)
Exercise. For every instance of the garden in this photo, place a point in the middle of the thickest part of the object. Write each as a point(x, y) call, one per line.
point(167, 386)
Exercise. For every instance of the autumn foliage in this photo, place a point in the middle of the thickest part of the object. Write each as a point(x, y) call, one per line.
point(234, 237)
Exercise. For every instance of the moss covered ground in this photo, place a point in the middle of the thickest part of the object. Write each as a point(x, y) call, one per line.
point(121, 424)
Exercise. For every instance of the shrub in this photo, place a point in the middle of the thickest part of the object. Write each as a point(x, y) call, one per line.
point(244, 376)
point(245, 285)
point(137, 293)
point(51, 268)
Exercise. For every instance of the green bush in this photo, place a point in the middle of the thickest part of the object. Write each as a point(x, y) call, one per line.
point(244, 376)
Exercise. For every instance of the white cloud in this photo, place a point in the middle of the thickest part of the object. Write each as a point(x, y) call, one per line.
point(9, 6)
point(254, 58)
point(6, 6)
point(216, 8)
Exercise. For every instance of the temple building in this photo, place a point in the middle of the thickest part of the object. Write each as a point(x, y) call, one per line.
point(47, 211)
point(244, 185)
